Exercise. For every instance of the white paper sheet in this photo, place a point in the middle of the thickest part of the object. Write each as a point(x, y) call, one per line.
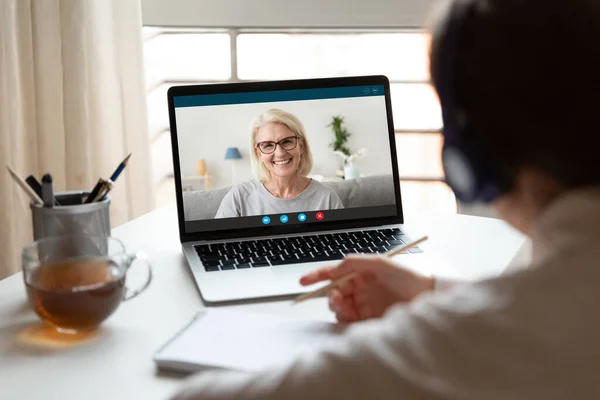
point(242, 341)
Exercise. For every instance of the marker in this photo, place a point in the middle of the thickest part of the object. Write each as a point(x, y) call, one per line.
point(37, 188)
point(34, 184)
point(47, 191)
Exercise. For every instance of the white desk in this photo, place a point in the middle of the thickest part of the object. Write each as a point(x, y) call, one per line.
point(117, 362)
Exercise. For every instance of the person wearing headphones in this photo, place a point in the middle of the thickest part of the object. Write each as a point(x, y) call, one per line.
point(519, 82)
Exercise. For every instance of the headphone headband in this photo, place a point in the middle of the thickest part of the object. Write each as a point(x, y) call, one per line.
point(467, 173)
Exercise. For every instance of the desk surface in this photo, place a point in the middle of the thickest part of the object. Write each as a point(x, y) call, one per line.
point(116, 362)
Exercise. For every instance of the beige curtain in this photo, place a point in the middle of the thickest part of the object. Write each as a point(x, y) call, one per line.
point(72, 103)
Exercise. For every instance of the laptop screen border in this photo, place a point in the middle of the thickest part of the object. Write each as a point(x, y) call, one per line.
point(226, 88)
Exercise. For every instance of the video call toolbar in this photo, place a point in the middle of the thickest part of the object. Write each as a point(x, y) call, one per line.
point(293, 218)
point(290, 219)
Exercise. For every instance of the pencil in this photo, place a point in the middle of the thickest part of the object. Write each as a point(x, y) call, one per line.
point(108, 185)
point(119, 169)
point(104, 186)
point(33, 195)
point(353, 275)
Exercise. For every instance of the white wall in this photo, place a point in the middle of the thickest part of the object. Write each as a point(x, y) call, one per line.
point(206, 132)
point(287, 13)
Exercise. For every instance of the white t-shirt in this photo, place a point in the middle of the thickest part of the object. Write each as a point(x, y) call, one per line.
point(252, 198)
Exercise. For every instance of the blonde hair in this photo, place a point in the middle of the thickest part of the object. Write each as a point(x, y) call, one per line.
point(277, 116)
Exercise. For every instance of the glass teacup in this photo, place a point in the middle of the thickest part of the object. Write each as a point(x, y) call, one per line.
point(75, 282)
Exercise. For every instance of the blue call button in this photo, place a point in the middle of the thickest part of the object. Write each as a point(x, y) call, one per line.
point(301, 217)
point(284, 219)
point(266, 220)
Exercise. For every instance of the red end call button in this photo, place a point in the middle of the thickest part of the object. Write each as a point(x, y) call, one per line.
point(320, 216)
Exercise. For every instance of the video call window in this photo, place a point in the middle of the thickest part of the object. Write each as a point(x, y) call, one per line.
point(266, 158)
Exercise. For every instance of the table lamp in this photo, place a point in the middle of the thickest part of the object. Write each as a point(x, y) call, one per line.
point(232, 154)
point(201, 167)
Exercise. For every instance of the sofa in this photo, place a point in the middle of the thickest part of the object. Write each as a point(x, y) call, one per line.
point(361, 192)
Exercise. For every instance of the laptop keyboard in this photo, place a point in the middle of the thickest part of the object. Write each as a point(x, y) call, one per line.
point(299, 249)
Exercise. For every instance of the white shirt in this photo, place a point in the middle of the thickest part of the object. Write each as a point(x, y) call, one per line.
point(532, 334)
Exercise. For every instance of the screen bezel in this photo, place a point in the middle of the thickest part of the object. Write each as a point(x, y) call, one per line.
point(224, 88)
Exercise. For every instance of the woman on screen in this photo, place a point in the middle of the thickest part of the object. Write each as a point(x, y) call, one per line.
point(281, 160)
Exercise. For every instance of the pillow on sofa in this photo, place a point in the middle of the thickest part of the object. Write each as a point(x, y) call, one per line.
point(202, 204)
point(364, 192)
point(361, 192)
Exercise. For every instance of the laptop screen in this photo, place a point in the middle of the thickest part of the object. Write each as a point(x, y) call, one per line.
point(283, 158)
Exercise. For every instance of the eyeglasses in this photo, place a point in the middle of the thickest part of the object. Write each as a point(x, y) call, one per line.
point(268, 147)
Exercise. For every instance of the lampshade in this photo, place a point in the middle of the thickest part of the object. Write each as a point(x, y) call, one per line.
point(233, 153)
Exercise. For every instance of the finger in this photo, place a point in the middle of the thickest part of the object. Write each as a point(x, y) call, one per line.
point(343, 268)
point(342, 305)
point(344, 319)
point(347, 308)
point(346, 288)
point(327, 273)
point(364, 311)
point(321, 274)
point(347, 315)
point(334, 300)
point(362, 301)
point(360, 298)
point(363, 265)
point(361, 291)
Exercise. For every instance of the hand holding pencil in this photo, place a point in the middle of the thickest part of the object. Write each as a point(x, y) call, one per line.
point(365, 287)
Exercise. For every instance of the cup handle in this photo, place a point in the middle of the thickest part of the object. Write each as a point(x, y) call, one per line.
point(131, 293)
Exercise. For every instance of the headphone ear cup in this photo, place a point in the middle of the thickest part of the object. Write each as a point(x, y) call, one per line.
point(460, 174)
point(467, 173)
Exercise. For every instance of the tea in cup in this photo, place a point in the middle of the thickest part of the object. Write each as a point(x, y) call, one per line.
point(75, 282)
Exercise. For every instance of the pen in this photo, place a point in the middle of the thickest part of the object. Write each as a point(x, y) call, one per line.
point(30, 192)
point(95, 191)
point(346, 278)
point(47, 191)
point(106, 186)
point(103, 186)
point(34, 184)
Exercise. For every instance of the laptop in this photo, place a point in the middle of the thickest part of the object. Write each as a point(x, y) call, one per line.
point(240, 240)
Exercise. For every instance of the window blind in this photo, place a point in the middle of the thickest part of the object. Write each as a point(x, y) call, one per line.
point(264, 14)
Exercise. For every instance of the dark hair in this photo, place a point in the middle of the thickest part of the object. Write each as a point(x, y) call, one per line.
point(528, 78)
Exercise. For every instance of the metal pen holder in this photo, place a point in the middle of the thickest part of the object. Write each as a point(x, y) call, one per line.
point(71, 216)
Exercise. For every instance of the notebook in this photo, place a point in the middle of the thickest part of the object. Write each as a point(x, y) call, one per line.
point(242, 341)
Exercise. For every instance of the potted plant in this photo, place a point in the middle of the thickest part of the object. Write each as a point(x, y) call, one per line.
point(340, 147)
point(350, 170)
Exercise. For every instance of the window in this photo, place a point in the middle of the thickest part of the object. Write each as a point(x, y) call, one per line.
point(195, 56)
